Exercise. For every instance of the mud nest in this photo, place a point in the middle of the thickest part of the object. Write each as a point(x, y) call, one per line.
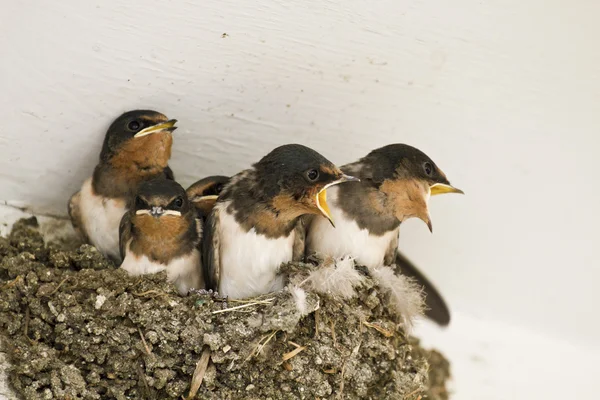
point(75, 327)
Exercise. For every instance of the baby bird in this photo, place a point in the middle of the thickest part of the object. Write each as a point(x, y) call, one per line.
point(255, 225)
point(396, 182)
point(204, 193)
point(162, 232)
point(136, 148)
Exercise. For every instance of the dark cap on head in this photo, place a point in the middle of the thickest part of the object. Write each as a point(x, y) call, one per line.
point(130, 124)
point(161, 192)
point(292, 167)
point(404, 162)
point(204, 193)
point(209, 186)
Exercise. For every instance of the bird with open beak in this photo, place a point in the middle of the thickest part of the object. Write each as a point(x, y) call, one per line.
point(137, 148)
point(255, 225)
point(163, 232)
point(396, 182)
point(203, 194)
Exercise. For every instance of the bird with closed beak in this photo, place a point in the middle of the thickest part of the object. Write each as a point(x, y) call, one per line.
point(255, 225)
point(163, 232)
point(395, 184)
point(137, 148)
point(204, 193)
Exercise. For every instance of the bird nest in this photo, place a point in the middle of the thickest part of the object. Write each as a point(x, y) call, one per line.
point(75, 327)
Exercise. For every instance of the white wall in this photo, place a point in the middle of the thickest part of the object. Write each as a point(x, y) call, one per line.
point(504, 96)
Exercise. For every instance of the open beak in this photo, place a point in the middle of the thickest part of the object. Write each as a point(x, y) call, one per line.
point(163, 126)
point(441, 188)
point(321, 198)
point(427, 219)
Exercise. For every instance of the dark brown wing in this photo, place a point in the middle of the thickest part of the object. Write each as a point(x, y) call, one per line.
point(169, 173)
point(211, 247)
point(390, 255)
point(124, 233)
point(299, 251)
point(437, 309)
point(75, 215)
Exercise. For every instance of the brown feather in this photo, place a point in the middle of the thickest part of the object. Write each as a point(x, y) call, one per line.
point(160, 238)
point(75, 215)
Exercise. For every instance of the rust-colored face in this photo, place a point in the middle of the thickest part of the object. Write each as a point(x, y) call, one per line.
point(150, 152)
point(161, 217)
point(409, 198)
point(139, 140)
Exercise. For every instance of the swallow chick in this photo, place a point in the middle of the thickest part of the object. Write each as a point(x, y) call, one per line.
point(162, 232)
point(136, 148)
point(204, 193)
point(396, 182)
point(256, 224)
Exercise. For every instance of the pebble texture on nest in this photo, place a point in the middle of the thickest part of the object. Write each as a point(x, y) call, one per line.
point(74, 327)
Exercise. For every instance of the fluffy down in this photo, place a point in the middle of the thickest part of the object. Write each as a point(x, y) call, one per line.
point(405, 295)
point(299, 296)
point(337, 279)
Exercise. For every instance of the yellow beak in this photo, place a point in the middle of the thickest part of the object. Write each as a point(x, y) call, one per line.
point(163, 126)
point(441, 188)
point(321, 198)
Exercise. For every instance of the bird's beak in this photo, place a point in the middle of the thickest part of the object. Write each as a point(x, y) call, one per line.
point(321, 198)
point(163, 126)
point(205, 203)
point(441, 188)
point(157, 211)
point(427, 219)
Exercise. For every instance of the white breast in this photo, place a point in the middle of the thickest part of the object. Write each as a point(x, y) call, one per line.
point(101, 218)
point(347, 238)
point(185, 272)
point(249, 261)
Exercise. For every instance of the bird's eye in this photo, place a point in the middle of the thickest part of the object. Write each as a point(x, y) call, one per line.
point(134, 126)
point(219, 188)
point(178, 203)
point(140, 203)
point(428, 168)
point(312, 175)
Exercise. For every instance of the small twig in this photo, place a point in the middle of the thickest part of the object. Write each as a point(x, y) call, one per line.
point(341, 393)
point(143, 381)
point(261, 346)
point(242, 306)
point(294, 344)
point(245, 301)
point(199, 373)
point(316, 324)
point(144, 342)
point(293, 353)
point(379, 329)
point(287, 366)
point(413, 392)
point(58, 287)
point(12, 283)
point(157, 293)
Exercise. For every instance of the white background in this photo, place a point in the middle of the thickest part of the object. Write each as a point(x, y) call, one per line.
point(504, 96)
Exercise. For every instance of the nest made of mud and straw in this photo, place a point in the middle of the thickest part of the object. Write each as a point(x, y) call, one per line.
point(75, 327)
